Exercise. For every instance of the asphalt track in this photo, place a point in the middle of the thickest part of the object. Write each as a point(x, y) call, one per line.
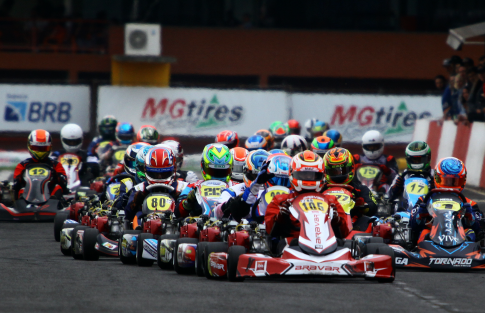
point(36, 277)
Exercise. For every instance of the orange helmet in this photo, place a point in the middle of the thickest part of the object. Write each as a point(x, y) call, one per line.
point(39, 144)
point(228, 138)
point(239, 155)
point(450, 173)
point(294, 127)
point(266, 134)
point(339, 166)
point(307, 172)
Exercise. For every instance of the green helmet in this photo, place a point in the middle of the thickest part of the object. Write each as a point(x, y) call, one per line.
point(107, 127)
point(216, 162)
point(274, 125)
point(418, 156)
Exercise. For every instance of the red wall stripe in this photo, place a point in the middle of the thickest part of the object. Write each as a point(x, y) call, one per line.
point(434, 136)
point(462, 140)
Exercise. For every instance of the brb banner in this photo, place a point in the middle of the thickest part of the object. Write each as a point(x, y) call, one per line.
point(183, 111)
point(27, 107)
point(353, 115)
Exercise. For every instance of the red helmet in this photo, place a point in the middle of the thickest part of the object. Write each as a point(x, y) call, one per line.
point(160, 166)
point(307, 172)
point(294, 127)
point(39, 144)
point(228, 138)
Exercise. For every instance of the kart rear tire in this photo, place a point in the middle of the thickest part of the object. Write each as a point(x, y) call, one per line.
point(90, 237)
point(59, 220)
point(176, 267)
point(376, 240)
point(353, 247)
point(386, 250)
point(73, 237)
point(161, 264)
point(139, 250)
point(211, 247)
point(67, 252)
point(232, 259)
point(373, 248)
point(199, 259)
point(123, 259)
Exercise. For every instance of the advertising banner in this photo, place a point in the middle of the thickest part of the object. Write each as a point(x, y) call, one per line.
point(196, 112)
point(352, 115)
point(28, 107)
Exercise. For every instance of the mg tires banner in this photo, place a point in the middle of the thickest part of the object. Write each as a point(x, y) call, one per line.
point(197, 112)
point(353, 115)
point(28, 107)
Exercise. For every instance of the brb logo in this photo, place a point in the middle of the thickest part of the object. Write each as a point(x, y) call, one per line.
point(18, 109)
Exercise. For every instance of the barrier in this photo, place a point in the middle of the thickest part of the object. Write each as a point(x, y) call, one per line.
point(466, 143)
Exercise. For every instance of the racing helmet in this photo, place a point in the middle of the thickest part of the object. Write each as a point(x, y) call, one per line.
point(71, 137)
point(228, 138)
point(280, 132)
point(339, 166)
point(256, 142)
point(253, 165)
point(39, 144)
point(160, 166)
point(294, 144)
point(148, 134)
point(307, 172)
point(140, 162)
point(318, 129)
point(125, 133)
point(178, 151)
point(216, 162)
point(279, 165)
point(273, 126)
point(277, 151)
point(373, 144)
point(107, 127)
point(266, 134)
point(418, 156)
point(335, 136)
point(130, 157)
point(309, 125)
point(239, 156)
point(450, 173)
point(320, 145)
point(294, 127)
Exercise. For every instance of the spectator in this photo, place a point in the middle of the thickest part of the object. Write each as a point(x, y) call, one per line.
point(440, 83)
point(481, 61)
point(467, 63)
point(458, 107)
point(463, 73)
point(446, 101)
point(450, 68)
point(456, 61)
point(475, 103)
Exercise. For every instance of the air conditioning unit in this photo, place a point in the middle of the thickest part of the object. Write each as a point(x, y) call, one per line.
point(143, 39)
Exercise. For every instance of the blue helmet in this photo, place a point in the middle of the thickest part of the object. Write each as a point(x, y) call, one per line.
point(274, 151)
point(130, 156)
point(256, 142)
point(125, 133)
point(335, 136)
point(280, 166)
point(253, 165)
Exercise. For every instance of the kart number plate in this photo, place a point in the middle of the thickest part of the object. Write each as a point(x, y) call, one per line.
point(272, 193)
point(368, 172)
point(159, 203)
point(115, 189)
point(119, 155)
point(313, 205)
point(69, 159)
point(446, 205)
point(38, 171)
point(417, 188)
point(211, 192)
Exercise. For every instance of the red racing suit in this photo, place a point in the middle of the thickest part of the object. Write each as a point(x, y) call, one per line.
point(57, 185)
point(285, 225)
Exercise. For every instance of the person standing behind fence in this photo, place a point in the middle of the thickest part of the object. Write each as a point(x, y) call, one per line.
point(475, 109)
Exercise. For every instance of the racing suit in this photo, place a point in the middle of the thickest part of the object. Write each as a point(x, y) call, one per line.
point(89, 169)
point(57, 185)
point(397, 187)
point(420, 218)
point(387, 164)
point(93, 146)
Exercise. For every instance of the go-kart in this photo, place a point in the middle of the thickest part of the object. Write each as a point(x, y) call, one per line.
point(35, 204)
point(370, 176)
point(316, 252)
point(446, 246)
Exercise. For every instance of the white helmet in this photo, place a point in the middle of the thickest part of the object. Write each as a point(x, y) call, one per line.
point(373, 144)
point(294, 144)
point(309, 125)
point(177, 150)
point(71, 137)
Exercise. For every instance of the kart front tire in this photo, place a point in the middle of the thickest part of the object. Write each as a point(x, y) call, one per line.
point(212, 247)
point(386, 250)
point(59, 220)
point(373, 248)
point(161, 264)
point(73, 241)
point(139, 250)
point(90, 237)
point(376, 240)
point(176, 267)
point(232, 260)
point(124, 259)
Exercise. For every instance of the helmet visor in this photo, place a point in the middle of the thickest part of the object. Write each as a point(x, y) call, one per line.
point(280, 181)
point(40, 148)
point(418, 159)
point(237, 168)
point(339, 174)
point(218, 172)
point(160, 173)
point(129, 161)
point(372, 146)
point(125, 137)
point(72, 142)
point(450, 181)
point(308, 176)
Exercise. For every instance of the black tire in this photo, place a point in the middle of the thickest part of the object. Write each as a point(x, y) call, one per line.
point(123, 259)
point(373, 248)
point(376, 240)
point(139, 250)
point(210, 248)
point(199, 259)
point(67, 251)
point(353, 247)
point(90, 237)
point(161, 264)
point(176, 267)
point(73, 237)
point(232, 259)
point(59, 220)
point(386, 250)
